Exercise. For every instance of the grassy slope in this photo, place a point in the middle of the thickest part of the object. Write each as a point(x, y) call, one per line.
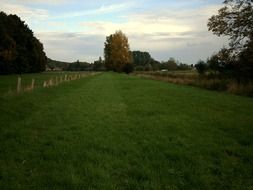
point(118, 132)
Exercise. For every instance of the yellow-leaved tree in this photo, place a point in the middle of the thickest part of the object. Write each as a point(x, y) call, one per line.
point(117, 53)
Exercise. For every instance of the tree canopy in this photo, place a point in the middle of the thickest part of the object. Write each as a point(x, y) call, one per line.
point(20, 51)
point(141, 58)
point(117, 52)
point(235, 20)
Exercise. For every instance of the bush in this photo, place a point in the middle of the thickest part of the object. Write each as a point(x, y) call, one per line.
point(201, 67)
point(128, 68)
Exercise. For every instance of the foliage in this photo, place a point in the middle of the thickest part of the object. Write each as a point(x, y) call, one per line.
point(235, 20)
point(20, 51)
point(246, 59)
point(201, 67)
point(99, 65)
point(53, 64)
point(171, 65)
point(144, 61)
point(79, 66)
point(117, 52)
point(221, 62)
point(208, 81)
point(183, 66)
point(141, 58)
point(128, 68)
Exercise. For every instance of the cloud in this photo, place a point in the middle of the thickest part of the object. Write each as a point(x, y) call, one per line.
point(72, 46)
point(164, 31)
point(26, 13)
point(104, 9)
point(48, 2)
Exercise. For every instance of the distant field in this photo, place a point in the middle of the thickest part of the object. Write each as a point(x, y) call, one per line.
point(114, 131)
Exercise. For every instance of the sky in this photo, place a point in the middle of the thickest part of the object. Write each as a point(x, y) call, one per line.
point(77, 29)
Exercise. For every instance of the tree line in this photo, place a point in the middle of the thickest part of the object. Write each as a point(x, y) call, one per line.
point(20, 50)
point(142, 61)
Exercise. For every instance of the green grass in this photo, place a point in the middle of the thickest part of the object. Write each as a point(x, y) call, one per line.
point(114, 131)
point(9, 82)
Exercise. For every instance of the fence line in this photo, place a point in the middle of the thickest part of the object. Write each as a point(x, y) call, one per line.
point(53, 81)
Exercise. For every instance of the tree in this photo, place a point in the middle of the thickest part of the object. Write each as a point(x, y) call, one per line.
point(201, 67)
point(20, 51)
point(141, 58)
point(246, 58)
point(221, 62)
point(171, 64)
point(235, 20)
point(98, 65)
point(117, 52)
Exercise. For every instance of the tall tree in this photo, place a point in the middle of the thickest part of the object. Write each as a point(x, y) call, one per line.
point(235, 20)
point(117, 52)
point(20, 51)
point(141, 58)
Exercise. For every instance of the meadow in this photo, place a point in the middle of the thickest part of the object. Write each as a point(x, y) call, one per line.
point(115, 131)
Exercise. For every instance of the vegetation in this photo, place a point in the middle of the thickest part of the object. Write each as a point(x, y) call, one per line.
point(201, 67)
point(117, 52)
point(99, 65)
point(20, 51)
point(143, 61)
point(100, 133)
point(79, 66)
point(235, 20)
point(207, 81)
point(54, 65)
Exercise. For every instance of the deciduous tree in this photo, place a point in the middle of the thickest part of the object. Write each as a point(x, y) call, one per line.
point(117, 52)
point(234, 20)
point(20, 51)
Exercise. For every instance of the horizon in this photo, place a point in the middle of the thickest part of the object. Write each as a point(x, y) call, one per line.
point(77, 30)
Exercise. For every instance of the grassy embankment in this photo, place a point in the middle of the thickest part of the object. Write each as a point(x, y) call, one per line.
point(114, 131)
point(207, 81)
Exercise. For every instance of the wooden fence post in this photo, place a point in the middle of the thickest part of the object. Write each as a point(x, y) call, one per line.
point(19, 85)
point(45, 84)
point(32, 85)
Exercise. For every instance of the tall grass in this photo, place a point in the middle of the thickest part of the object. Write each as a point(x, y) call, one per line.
point(208, 81)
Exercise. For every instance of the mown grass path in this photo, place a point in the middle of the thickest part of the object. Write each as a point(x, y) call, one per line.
point(115, 131)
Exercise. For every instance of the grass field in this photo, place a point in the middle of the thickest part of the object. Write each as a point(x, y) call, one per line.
point(114, 131)
point(8, 83)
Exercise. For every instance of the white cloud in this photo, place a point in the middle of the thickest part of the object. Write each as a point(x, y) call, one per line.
point(163, 30)
point(26, 13)
point(104, 9)
point(72, 46)
point(49, 2)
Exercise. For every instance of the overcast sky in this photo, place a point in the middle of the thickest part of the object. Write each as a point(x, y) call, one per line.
point(76, 29)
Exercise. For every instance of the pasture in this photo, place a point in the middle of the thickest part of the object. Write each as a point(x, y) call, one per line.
point(114, 131)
